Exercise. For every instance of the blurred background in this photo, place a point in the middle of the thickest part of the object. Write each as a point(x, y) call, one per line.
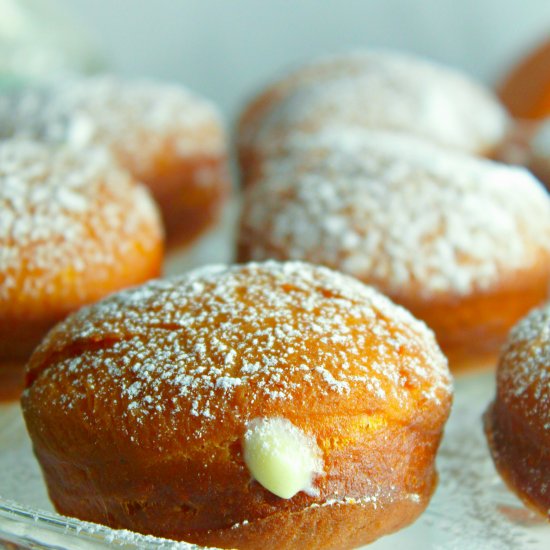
point(226, 49)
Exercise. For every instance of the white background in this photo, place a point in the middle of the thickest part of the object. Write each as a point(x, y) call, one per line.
point(227, 48)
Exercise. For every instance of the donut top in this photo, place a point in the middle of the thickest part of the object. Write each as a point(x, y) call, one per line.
point(137, 120)
point(398, 212)
point(385, 90)
point(525, 366)
point(65, 212)
point(222, 346)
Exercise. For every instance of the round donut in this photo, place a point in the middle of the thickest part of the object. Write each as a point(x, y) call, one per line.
point(273, 405)
point(371, 89)
point(517, 423)
point(525, 90)
point(461, 242)
point(73, 228)
point(165, 136)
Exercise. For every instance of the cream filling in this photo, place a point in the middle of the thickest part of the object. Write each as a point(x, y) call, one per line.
point(281, 457)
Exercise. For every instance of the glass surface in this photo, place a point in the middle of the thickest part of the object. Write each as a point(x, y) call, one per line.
point(471, 509)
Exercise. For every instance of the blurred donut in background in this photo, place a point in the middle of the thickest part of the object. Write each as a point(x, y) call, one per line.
point(165, 136)
point(376, 90)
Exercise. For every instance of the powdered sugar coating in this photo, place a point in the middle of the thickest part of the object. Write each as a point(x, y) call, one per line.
point(397, 212)
point(136, 120)
point(221, 343)
point(381, 90)
point(62, 213)
point(525, 366)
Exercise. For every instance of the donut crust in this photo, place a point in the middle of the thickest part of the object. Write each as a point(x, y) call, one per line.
point(525, 90)
point(190, 192)
point(516, 423)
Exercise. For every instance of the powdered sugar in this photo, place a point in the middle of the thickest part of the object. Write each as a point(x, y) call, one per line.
point(398, 212)
point(525, 364)
point(135, 120)
point(60, 209)
point(384, 90)
point(196, 345)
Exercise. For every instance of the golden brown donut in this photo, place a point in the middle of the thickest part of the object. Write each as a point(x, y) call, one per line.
point(167, 137)
point(371, 89)
point(144, 409)
point(462, 242)
point(73, 228)
point(525, 90)
point(517, 423)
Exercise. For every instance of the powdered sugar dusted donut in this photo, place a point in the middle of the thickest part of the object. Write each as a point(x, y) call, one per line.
point(73, 228)
point(462, 242)
point(275, 405)
point(167, 137)
point(518, 422)
point(372, 89)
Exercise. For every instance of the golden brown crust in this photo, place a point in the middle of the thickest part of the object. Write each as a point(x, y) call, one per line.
point(190, 193)
point(157, 451)
point(76, 229)
point(473, 328)
point(517, 423)
point(218, 504)
point(337, 526)
point(525, 90)
point(519, 457)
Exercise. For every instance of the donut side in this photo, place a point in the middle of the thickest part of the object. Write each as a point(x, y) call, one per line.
point(517, 423)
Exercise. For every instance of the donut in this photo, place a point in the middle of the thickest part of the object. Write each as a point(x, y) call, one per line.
point(73, 228)
point(165, 136)
point(376, 90)
point(525, 89)
point(462, 242)
point(270, 405)
point(517, 423)
point(538, 157)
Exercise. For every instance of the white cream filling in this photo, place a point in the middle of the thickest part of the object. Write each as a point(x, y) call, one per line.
point(281, 457)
